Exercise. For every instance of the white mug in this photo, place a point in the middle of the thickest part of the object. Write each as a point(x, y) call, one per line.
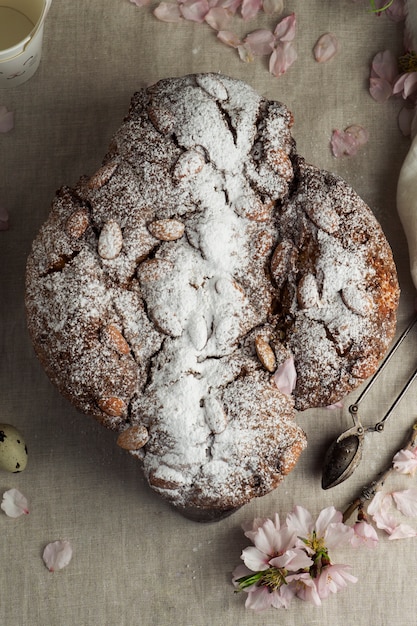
point(21, 34)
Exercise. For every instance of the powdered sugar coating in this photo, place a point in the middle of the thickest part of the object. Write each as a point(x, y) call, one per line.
point(159, 334)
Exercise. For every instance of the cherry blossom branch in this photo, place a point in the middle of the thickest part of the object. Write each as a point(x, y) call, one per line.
point(369, 491)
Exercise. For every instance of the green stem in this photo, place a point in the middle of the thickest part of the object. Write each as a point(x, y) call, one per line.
point(374, 9)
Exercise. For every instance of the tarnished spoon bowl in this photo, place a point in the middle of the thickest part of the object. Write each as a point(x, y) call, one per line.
point(341, 460)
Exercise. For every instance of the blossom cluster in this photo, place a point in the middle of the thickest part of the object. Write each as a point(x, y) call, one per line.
point(390, 76)
point(292, 559)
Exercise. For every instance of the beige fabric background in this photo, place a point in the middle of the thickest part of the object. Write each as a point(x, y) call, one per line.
point(137, 562)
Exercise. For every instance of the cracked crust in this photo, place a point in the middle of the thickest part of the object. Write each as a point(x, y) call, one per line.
point(164, 290)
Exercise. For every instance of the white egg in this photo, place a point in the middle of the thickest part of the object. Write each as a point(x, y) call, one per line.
point(13, 451)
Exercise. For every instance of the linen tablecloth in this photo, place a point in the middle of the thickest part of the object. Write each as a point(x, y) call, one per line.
point(136, 561)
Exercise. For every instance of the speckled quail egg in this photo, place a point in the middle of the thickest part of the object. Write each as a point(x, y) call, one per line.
point(13, 451)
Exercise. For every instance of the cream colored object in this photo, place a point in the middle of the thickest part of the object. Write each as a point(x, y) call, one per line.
point(21, 35)
point(407, 202)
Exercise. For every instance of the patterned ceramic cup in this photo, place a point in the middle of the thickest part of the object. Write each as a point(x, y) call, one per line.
point(21, 34)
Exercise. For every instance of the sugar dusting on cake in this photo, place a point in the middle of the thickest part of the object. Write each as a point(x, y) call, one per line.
point(163, 291)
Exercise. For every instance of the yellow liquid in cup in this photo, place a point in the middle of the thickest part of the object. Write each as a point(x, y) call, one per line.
point(14, 27)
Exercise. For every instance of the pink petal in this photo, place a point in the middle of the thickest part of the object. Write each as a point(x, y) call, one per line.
point(250, 8)
point(282, 58)
point(360, 134)
point(410, 84)
point(6, 120)
point(229, 38)
point(218, 18)
point(327, 516)
point(406, 501)
point(245, 53)
point(397, 11)
point(325, 48)
point(14, 503)
point(398, 85)
point(57, 555)
point(270, 7)
point(231, 5)
point(343, 144)
point(364, 534)
point(380, 89)
point(384, 65)
point(300, 521)
point(254, 559)
point(285, 376)
point(259, 599)
point(194, 10)
point(168, 12)
point(405, 461)
point(285, 29)
point(402, 531)
point(260, 42)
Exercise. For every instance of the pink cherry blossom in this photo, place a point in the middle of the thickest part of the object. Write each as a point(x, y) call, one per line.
point(285, 29)
point(406, 85)
point(281, 59)
point(328, 530)
point(406, 501)
point(326, 48)
point(14, 503)
point(168, 12)
point(384, 71)
point(348, 141)
point(306, 589)
point(332, 579)
point(250, 8)
point(57, 555)
point(229, 38)
point(405, 461)
point(364, 535)
point(218, 18)
point(194, 10)
point(260, 42)
point(405, 119)
point(285, 376)
point(382, 512)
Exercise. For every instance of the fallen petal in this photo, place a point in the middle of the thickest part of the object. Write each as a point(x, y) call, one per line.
point(360, 134)
point(325, 48)
point(6, 119)
point(245, 53)
point(406, 501)
point(271, 7)
point(285, 376)
point(343, 144)
point(380, 89)
point(57, 555)
point(229, 38)
point(260, 41)
point(282, 58)
point(285, 29)
point(250, 8)
point(218, 18)
point(168, 12)
point(194, 10)
point(14, 503)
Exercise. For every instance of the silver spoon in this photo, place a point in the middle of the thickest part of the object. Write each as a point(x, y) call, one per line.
point(345, 453)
